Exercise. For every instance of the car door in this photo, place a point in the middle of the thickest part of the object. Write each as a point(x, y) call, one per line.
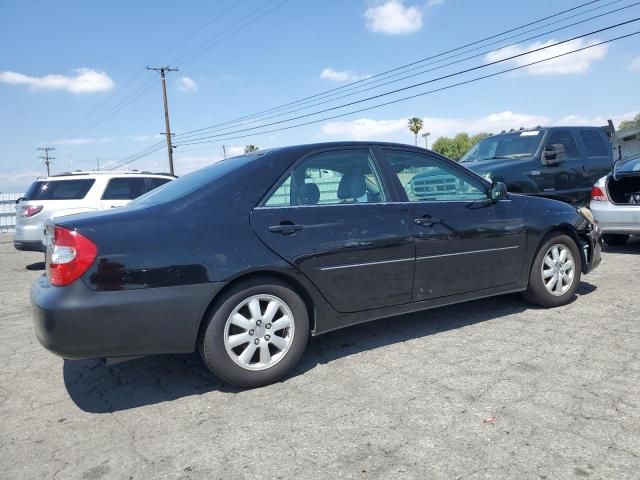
point(565, 178)
point(465, 242)
point(121, 190)
point(598, 158)
point(330, 217)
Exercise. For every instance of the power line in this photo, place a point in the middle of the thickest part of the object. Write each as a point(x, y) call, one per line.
point(401, 67)
point(367, 87)
point(415, 85)
point(519, 67)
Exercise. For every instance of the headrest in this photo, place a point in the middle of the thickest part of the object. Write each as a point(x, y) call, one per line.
point(309, 193)
point(352, 185)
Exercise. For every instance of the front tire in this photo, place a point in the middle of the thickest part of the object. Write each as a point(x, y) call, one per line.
point(555, 273)
point(256, 333)
point(615, 239)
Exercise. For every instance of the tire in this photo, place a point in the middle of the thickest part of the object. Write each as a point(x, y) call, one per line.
point(615, 239)
point(236, 326)
point(537, 292)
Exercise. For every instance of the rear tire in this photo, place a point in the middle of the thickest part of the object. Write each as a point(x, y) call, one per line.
point(615, 239)
point(256, 333)
point(555, 273)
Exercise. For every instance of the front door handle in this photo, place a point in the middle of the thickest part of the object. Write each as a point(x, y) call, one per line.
point(285, 228)
point(425, 221)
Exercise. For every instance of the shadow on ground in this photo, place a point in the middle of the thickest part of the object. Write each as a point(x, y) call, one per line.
point(632, 247)
point(36, 266)
point(98, 388)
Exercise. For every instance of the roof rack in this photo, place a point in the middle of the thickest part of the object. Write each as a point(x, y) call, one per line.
point(109, 172)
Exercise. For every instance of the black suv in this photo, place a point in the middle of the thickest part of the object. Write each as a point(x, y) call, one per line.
point(555, 162)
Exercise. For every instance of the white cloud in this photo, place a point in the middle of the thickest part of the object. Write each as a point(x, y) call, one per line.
point(235, 150)
point(145, 138)
point(341, 75)
point(83, 141)
point(186, 84)
point(393, 18)
point(574, 63)
point(85, 80)
point(634, 66)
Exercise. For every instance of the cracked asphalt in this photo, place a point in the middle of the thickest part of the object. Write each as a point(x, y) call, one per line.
point(486, 389)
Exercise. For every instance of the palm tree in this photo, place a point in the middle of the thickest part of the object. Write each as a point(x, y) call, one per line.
point(415, 125)
point(251, 148)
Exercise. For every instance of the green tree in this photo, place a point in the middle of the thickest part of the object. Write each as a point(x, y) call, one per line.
point(456, 147)
point(415, 125)
point(251, 148)
point(628, 124)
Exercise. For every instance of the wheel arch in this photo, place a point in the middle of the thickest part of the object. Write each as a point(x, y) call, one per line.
point(563, 228)
point(283, 277)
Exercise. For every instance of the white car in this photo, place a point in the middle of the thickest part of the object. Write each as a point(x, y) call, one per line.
point(76, 192)
point(615, 199)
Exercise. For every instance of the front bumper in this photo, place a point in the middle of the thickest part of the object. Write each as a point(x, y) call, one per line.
point(76, 322)
point(591, 245)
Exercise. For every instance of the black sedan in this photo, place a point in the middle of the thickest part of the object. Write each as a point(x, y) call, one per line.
point(246, 258)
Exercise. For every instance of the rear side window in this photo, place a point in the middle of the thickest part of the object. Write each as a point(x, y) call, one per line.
point(565, 138)
point(330, 178)
point(156, 182)
point(124, 188)
point(594, 143)
point(59, 189)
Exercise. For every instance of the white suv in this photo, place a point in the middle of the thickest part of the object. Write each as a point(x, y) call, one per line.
point(76, 192)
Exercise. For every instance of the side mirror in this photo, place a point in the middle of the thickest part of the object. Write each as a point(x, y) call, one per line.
point(554, 153)
point(498, 191)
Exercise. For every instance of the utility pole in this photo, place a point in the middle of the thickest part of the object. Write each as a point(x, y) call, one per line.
point(47, 158)
point(98, 163)
point(166, 111)
point(224, 152)
point(426, 142)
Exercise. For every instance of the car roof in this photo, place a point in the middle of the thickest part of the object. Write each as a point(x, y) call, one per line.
point(103, 174)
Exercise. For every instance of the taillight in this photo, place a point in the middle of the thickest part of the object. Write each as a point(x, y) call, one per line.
point(30, 210)
point(598, 194)
point(71, 255)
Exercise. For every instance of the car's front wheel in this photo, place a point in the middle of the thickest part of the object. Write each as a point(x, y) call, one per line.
point(256, 334)
point(615, 239)
point(555, 273)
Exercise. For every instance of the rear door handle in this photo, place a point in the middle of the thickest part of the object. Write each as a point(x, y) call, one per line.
point(425, 221)
point(285, 228)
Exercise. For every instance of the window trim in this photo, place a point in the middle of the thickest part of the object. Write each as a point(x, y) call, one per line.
point(465, 172)
point(376, 165)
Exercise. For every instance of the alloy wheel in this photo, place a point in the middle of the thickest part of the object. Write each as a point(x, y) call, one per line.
point(558, 269)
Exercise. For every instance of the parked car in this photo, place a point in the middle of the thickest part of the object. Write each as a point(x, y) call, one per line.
point(76, 192)
point(561, 163)
point(244, 258)
point(615, 199)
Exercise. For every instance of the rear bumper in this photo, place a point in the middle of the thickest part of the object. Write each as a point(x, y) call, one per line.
point(623, 219)
point(29, 245)
point(76, 322)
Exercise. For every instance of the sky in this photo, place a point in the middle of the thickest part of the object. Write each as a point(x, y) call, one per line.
point(73, 77)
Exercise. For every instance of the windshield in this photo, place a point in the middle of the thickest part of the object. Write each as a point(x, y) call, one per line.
point(194, 180)
point(510, 145)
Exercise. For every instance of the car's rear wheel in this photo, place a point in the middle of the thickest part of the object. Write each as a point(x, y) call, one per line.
point(615, 239)
point(256, 333)
point(555, 273)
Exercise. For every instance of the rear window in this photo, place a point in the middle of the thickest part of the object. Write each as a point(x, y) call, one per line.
point(594, 143)
point(124, 188)
point(59, 189)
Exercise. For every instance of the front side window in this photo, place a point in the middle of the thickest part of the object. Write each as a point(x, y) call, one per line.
point(124, 188)
point(59, 189)
point(425, 178)
point(564, 137)
point(593, 143)
point(330, 178)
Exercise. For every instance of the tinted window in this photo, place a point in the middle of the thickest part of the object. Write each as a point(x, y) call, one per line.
point(629, 166)
point(339, 177)
point(156, 182)
point(565, 138)
point(59, 189)
point(594, 143)
point(425, 178)
point(124, 188)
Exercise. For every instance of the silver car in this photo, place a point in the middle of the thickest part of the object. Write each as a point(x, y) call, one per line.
point(615, 199)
